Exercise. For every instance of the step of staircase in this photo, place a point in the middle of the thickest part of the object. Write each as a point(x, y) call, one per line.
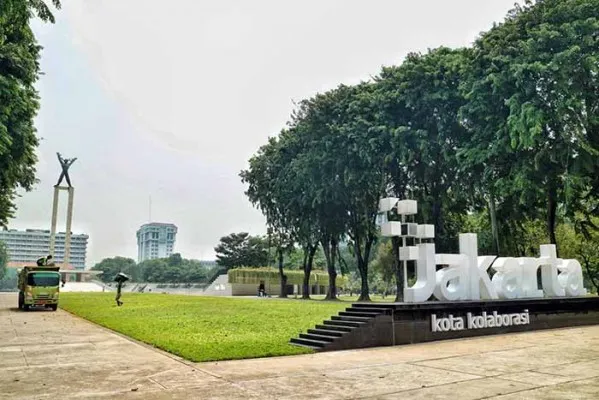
point(342, 329)
point(370, 305)
point(311, 343)
point(349, 324)
point(374, 310)
point(322, 338)
point(359, 314)
point(326, 332)
point(350, 319)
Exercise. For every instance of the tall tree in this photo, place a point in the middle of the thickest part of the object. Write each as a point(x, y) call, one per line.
point(316, 175)
point(241, 250)
point(339, 172)
point(362, 165)
point(301, 214)
point(112, 266)
point(532, 107)
point(265, 192)
point(417, 106)
point(19, 101)
point(424, 91)
point(155, 270)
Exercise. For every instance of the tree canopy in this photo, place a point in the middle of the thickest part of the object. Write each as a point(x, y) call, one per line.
point(173, 269)
point(19, 100)
point(498, 136)
point(112, 266)
point(241, 250)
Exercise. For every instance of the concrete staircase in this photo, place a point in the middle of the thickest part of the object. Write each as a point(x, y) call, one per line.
point(344, 330)
point(219, 287)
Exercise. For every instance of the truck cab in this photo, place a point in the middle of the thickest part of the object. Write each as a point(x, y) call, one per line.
point(39, 286)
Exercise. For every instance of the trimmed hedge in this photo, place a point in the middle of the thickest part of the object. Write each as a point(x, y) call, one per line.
point(271, 275)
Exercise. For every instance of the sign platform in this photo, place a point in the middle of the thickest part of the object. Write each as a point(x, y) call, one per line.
point(424, 322)
point(386, 324)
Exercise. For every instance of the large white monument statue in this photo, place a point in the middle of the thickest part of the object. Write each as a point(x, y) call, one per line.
point(65, 164)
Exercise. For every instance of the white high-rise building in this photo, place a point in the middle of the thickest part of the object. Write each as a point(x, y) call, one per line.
point(29, 245)
point(155, 240)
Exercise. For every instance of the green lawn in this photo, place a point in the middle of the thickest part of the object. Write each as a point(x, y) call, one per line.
point(205, 328)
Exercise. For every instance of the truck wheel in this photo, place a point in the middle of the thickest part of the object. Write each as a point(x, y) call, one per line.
point(26, 307)
point(54, 307)
point(20, 301)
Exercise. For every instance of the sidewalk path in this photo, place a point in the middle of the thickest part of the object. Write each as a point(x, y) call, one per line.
point(50, 355)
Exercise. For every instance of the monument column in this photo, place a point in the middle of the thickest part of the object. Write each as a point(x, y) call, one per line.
point(54, 217)
point(67, 238)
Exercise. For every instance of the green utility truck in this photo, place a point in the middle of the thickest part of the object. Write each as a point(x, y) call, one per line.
point(39, 286)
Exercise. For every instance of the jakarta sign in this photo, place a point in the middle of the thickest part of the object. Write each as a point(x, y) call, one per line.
point(465, 276)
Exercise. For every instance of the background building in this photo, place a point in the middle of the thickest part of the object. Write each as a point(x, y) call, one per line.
point(155, 240)
point(25, 247)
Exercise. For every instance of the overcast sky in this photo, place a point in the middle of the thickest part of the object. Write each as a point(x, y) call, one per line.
point(170, 99)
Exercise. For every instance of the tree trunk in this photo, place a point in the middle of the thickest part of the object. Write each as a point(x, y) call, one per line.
point(494, 228)
point(440, 239)
point(308, 260)
point(329, 247)
point(398, 267)
point(364, 295)
point(362, 261)
point(306, 281)
point(342, 264)
point(282, 275)
point(551, 215)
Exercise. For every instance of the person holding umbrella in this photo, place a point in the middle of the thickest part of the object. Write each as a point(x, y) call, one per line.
point(120, 278)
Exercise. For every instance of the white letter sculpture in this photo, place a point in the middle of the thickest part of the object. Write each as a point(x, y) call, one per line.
point(507, 280)
point(425, 273)
point(452, 282)
point(571, 278)
point(465, 275)
point(549, 279)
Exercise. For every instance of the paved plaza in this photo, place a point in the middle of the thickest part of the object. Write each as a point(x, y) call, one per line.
point(56, 355)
